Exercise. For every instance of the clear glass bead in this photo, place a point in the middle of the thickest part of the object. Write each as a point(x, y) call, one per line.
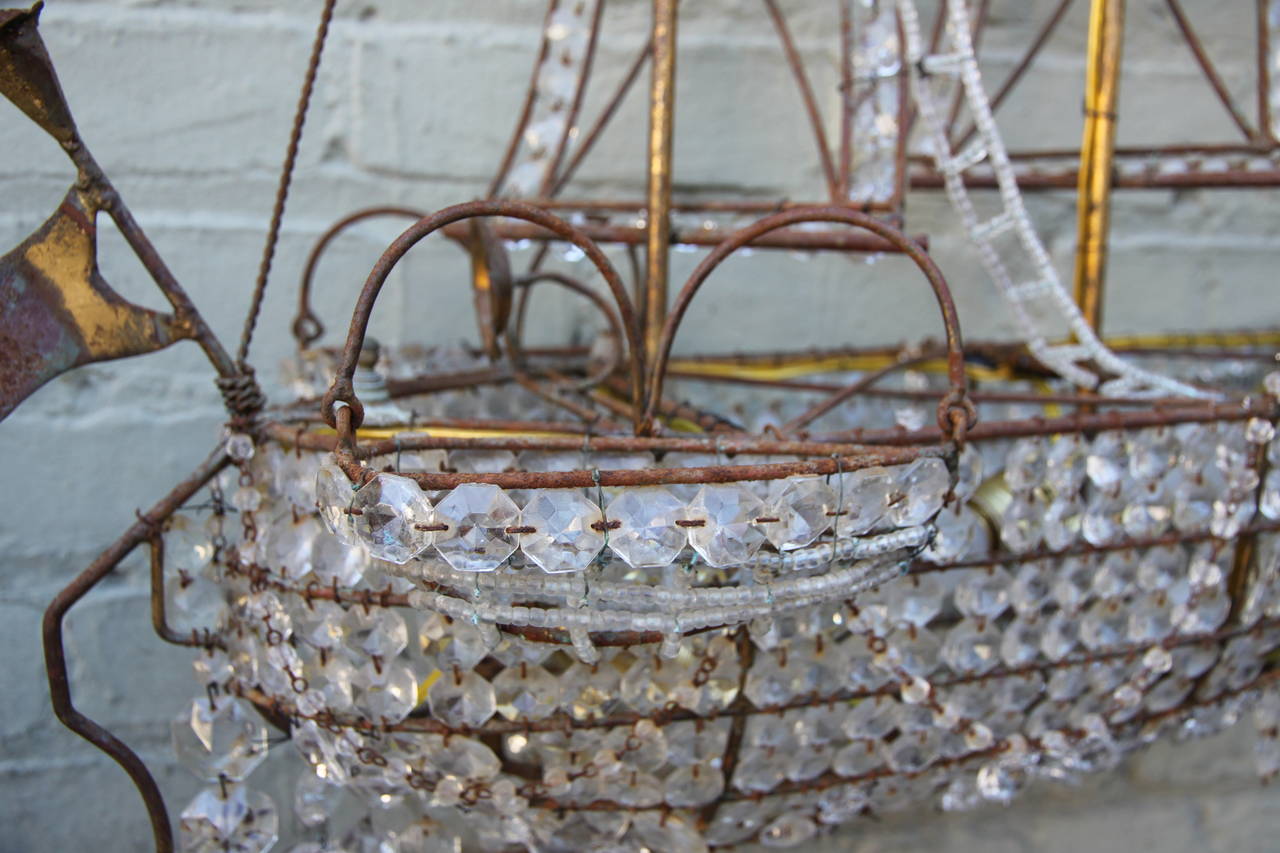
point(566, 538)
point(729, 534)
point(478, 516)
point(388, 514)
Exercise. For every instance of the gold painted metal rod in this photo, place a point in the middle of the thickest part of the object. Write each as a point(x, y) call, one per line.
point(658, 208)
point(1101, 97)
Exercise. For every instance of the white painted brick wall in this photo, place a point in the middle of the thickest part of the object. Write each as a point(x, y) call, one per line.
point(186, 103)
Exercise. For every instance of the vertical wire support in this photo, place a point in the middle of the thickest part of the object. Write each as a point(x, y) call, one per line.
point(658, 201)
point(1097, 148)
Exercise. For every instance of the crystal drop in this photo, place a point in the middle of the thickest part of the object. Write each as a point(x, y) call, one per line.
point(863, 500)
point(969, 473)
point(693, 785)
point(1073, 583)
point(314, 798)
point(760, 770)
point(1150, 618)
point(970, 648)
point(246, 499)
point(1160, 568)
point(667, 832)
point(241, 822)
point(1020, 644)
point(1116, 576)
point(462, 757)
point(220, 737)
point(729, 535)
point(858, 759)
point(1105, 463)
point(1020, 525)
point(1229, 516)
point(1269, 503)
point(923, 485)
point(478, 515)
point(334, 495)
point(1204, 613)
point(1101, 524)
point(1065, 465)
point(187, 545)
point(388, 513)
point(336, 562)
point(1104, 625)
point(289, 545)
point(194, 602)
point(525, 692)
point(804, 508)
point(916, 599)
point(589, 691)
point(1152, 452)
point(1030, 589)
point(240, 446)
point(467, 645)
point(647, 534)
point(462, 699)
point(910, 752)
point(377, 631)
point(1061, 633)
point(961, 533)
point(431, 630)
point(565, 539)
point(1025, 465)
point(322, 625)
point(983, 592)
point(648, 684)
point(1062, 522)
point(840, 804)
point(388, 694)
point(788, 830)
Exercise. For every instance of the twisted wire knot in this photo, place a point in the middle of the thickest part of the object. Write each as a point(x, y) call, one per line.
point(242, 397)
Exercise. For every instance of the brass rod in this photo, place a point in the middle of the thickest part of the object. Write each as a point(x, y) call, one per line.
point(658, 209)
point(1102, 79)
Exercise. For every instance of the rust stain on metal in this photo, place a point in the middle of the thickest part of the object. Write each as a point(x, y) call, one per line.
point(57, 312)
point(27, 77)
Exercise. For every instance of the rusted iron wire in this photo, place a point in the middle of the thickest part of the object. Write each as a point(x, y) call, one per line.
point(145, 528)
point(286, 178)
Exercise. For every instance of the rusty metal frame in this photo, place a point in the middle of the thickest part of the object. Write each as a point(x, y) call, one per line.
point(27, 78)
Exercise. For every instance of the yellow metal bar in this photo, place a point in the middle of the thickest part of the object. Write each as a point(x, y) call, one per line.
point(658, 211)
point(1101, 96)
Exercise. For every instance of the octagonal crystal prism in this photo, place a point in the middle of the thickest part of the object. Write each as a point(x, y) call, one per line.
point(565, 539)
point(388, 516)
point(729, 533)
point(478, 515)
point(804, 509)
point(647, 534)
point(223, 737)
point(230, 818)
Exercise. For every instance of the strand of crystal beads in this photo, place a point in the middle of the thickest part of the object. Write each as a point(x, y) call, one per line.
point(567, 34)
point(1041, 307)
point(877, 66)
point(476, 527)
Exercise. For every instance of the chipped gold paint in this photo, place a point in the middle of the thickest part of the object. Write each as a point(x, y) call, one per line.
point(108, 327)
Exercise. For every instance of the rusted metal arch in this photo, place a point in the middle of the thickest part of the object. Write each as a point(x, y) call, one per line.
point(955, 412)
point(342, 390)
point(306, 326)
point(144, 529)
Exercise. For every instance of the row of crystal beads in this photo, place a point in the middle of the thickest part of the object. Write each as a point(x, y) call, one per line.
point(1136, 485)
point(476, 527)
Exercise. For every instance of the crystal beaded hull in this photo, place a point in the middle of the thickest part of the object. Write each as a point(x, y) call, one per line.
point(918, 678)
